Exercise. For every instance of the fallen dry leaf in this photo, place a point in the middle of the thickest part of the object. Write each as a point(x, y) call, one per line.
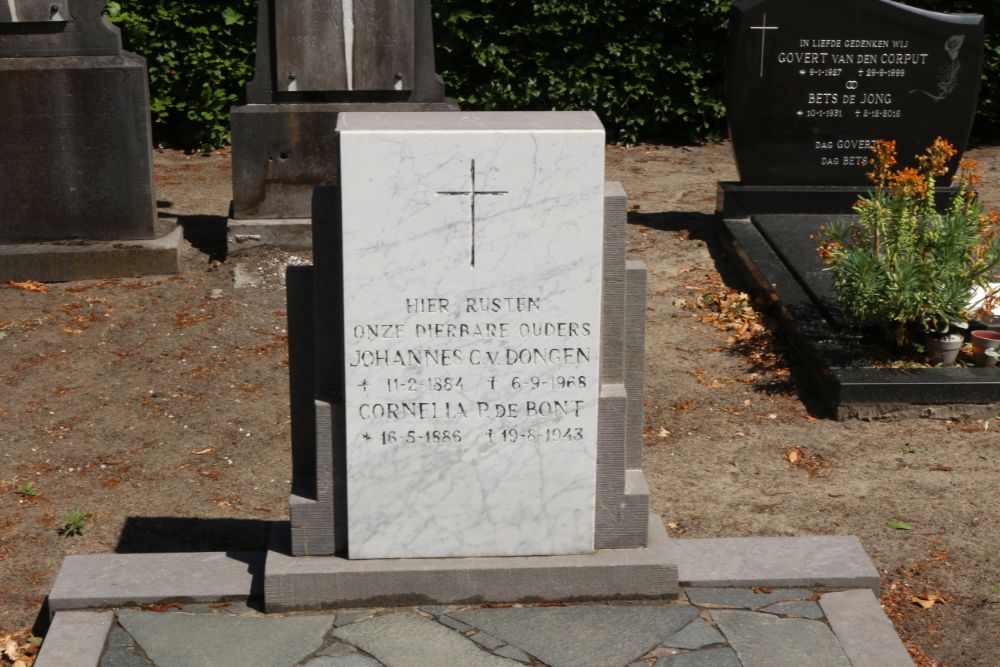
point(29, 286)
point(794, 455)
point(202, 452)
point(927, 600)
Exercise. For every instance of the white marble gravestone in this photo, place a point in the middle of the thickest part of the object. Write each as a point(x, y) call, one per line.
point(472, 250)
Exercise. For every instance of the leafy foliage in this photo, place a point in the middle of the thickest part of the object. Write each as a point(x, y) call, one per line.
point(905, 266)
point(200, 55)
point(652, 69)
point(74, 522)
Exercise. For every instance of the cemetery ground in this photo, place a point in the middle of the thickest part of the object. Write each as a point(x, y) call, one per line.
point(158, 408)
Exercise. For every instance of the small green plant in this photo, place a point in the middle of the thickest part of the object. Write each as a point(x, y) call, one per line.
point(73, 523)
point(903, 265)
point(26, 490)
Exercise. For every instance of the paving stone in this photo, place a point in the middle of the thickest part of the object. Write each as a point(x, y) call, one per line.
point(713, 657)
point(454, 623)
point(195, 640)
point(407, 640)
point(437, 610)
point(763, 640)
point(489, 641)
point(338, 648)
point(348, 617)
point(696, 635)
point(353, 660)
point(120, 651)
point(808, 562)
point(515, 653)
point(806, 609)
point(744, 598)
point(864, 631)
point(583, 636)
point(75, 638)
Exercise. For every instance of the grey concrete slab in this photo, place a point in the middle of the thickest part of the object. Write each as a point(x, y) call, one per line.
point(75, 639)
point(122, 651)
point(351, 615)
point(809, 562)
point(695, 635)
point(194, 640)
point(585, 635)
point(353, 660)
point(123, 580)
point(713, 657)
point(762, 640)
point(337, 648)
point(867, 636)
point(744, 598)
point(515, 653)
point(806, 609)
point(454, 624)
point(327, 582)
point(487, 640)
point(408, 640)
point(63, 262)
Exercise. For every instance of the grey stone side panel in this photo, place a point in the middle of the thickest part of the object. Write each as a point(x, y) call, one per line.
point(76, 639)
point(622, 510)
point(613, 285)
point(635, 360)
point(317, 528)
point(299, 281)
point(610, 465)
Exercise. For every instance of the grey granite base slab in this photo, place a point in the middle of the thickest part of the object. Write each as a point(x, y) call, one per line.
point(124, 580)
point(808, 562)
point(75, 639)
point(867, 636)
point(287, 234)
point(56, 262)
point(297, 583)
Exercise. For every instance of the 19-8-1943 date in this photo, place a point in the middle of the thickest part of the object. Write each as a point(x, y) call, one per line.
point(506, 435)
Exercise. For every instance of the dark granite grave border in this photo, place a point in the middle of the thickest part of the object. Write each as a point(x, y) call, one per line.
point(849, 391)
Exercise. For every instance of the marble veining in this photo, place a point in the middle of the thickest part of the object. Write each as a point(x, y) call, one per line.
point(503, 463)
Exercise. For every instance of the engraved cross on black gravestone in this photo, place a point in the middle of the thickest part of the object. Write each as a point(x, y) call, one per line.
point(472, 194)
point(763, 27)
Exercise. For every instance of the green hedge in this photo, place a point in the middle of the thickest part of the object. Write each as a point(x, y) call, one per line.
point(200, 55)
point(652, 69)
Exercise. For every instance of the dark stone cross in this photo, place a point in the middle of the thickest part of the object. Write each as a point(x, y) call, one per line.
point(472, 194)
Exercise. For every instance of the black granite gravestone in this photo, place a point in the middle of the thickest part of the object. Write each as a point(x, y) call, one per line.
point(315, 59)
point(810, 86)
point(76, 136)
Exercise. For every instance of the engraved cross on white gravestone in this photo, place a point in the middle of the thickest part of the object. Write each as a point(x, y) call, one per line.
point(764, 27)
point(472, 194)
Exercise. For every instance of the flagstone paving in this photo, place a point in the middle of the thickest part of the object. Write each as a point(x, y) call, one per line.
point(705, 628)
